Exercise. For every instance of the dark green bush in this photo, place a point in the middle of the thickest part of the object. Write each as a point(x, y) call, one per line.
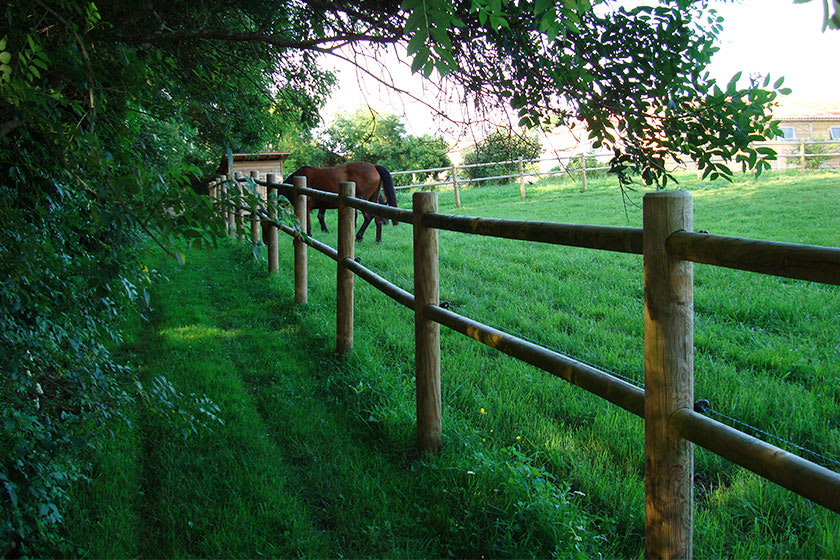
point(501, 146)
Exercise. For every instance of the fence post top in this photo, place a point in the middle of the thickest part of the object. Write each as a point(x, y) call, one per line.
point(298, 182)
point(669, 194)
point(425, 195)
point(255, 173)
point(346, 188)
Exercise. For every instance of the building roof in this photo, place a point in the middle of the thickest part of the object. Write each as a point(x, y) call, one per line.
point(255, 156)
point(808, 110)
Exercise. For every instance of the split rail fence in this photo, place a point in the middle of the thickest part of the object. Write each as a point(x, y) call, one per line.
point(673, 421)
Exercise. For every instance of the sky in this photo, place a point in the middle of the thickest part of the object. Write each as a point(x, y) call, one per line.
point(775, 37)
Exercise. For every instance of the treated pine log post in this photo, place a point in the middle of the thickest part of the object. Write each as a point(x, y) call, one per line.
point(301, 273)
point(426, 331)
point(521, 179)
point(220, 192)
point(271, 231)
point(802, 157)
point(238, 213)
point(455, 186)
point(583, 171)
point(346, 250)
point(669, 377)
point(231, 214)
point(255, 220)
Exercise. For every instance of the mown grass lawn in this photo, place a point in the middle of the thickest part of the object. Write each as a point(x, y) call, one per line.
point(315, 457)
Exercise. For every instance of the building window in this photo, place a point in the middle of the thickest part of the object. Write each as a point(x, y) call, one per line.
point(788, 133)
point(834, 132)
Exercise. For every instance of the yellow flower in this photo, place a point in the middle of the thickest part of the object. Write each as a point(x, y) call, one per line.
point(482, 411)
point(518, 438)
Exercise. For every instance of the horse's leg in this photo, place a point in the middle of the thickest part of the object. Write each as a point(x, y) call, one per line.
point(378, 230)
point(368, 218)
point(308, 222)
point(321, 213)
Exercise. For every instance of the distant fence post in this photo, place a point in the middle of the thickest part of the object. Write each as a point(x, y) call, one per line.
point(802, 157)
point(521, 178)
point(455, 186)
point(238, 213)
point(346, 250)
point(426, 331)
point(669, 377)
point(229, 210)
point(583, 171)
point(271, 230)
point(301, 271)
point(255, 221)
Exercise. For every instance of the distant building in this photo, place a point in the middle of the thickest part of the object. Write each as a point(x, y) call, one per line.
point(809, 120)
point(264, 162)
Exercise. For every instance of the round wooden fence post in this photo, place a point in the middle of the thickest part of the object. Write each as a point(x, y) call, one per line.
point(238, 213)
point(669, 377)
point(271, 231)
point(521, 179)
point(426, 331)
point(802, 157)
point(220, 188)
point(346, 250)
point(301, 272)
point(455, 186)
point(255, 220)
point(231, 214)
point(583, 171)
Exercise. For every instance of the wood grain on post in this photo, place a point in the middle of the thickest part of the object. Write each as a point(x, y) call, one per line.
point(802, 157)
point(301, 273)
point(220, 185)
point(238, 213)
point(231, 214)
point(455, 186)
point(271, 232)
point(669, 377)
point(583, 171)
point(346, 250)
point(255, 220)
point(521, 178)
point(426, 331)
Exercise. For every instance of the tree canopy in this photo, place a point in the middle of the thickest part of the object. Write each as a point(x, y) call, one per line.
point(366, 136)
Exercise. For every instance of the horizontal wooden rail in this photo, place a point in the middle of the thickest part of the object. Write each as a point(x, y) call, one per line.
point(311, 241)
point(318, 195)
point(381, 210)
point(790, 260)
point(391, 290)
point(607, 238)
point(803, 477)
point(627, 396)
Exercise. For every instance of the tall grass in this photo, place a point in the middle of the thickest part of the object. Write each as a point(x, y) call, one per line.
point(316, 455)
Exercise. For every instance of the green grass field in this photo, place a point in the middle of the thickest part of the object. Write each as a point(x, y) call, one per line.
point(315, 457)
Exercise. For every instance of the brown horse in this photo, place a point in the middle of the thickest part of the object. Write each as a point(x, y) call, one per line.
point(371, 181)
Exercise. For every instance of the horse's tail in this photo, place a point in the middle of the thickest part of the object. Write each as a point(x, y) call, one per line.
point(387, 184)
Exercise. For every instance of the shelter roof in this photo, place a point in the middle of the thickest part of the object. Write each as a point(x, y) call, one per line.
point(254, 156)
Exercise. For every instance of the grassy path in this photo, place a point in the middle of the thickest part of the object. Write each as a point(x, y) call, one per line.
point(315, 457)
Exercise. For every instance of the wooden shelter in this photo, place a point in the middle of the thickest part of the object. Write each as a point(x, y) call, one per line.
point(263, 162)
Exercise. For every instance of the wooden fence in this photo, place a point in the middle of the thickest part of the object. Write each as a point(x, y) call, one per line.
point(802, 155)
point(673, 421)
point(568, 168)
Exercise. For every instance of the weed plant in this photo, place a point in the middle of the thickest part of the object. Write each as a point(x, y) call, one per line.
point(315, 457)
